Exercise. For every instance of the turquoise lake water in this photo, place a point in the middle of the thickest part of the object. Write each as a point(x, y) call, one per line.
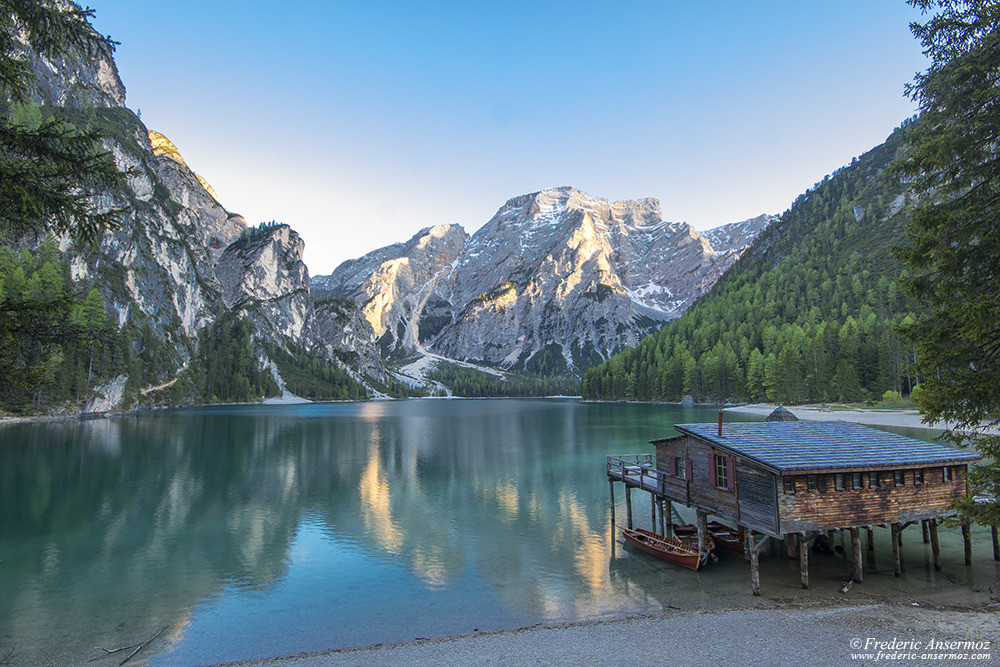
point(254, 531)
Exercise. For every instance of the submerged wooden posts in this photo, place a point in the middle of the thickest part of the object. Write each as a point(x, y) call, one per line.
point(924, 531)
point(804, 560)
point(790, 546)
point(702, 529)
point(611, 485)
point(935, 547)
point(967, 538)
point(996, 543)
point(896, 556)
point(628, 506)
point(871, 538)
point(753, 549)
point(652, 507)
point(664, 510)
point(899, 536)
point(858, 574)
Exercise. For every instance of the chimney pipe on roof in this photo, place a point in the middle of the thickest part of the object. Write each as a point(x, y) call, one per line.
point(720, 422)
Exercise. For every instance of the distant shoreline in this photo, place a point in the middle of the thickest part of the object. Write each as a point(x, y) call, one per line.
point(905, 418)
point(836, 412)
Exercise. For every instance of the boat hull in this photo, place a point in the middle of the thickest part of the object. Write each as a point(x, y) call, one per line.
point(663, 548)
point(727, 537)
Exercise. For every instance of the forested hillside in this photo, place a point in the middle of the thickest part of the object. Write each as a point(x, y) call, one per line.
point(807, 314)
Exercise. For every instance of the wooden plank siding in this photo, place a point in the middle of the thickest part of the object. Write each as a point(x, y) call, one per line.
point(695, 486)
point(827, 508)
point(749, 490)
point(758, 497)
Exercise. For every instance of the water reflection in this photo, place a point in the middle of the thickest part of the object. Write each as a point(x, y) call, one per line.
point(316, 526)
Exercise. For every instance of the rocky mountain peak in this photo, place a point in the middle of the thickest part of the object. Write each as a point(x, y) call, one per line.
point(555, 281)
point(163, 146)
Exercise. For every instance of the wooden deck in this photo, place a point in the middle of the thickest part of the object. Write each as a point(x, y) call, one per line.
point(638, 471)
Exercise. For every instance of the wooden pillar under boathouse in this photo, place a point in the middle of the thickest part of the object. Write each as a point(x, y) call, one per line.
point(628, 506)
point(967, 540)
point(813, 480)
point(935, 547)
point(804, 560)
point(857, 574)
point(896, 558)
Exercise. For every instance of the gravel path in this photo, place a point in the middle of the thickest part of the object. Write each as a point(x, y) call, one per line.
point(790, 636)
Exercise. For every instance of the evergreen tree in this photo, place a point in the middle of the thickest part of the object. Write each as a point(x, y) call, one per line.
point(953, 250)
point(49, 170)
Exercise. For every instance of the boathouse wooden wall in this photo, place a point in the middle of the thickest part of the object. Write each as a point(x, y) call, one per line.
point(751, 498)
point(757, 489)
point(827, 507)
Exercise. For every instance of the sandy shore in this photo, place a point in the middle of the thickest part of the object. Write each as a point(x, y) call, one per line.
point(817, 636)
point(872, 417)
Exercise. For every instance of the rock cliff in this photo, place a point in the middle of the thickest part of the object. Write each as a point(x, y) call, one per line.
point(179, 259)
point(555, 282)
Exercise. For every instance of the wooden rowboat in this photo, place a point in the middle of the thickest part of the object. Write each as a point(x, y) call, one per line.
point(728, 537)
point(663, 547)
point(689, 535)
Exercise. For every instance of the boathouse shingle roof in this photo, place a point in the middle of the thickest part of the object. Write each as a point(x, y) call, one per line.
point(816, 445)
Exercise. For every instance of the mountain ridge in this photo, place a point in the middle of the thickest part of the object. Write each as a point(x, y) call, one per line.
point(557, 273)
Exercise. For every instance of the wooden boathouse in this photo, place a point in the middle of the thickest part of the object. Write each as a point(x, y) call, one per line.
point(792, 480)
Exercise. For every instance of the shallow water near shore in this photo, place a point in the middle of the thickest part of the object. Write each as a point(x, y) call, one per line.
point(252, 531)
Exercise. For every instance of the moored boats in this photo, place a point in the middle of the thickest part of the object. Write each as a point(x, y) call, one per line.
point(729, 538)
point(689, 535)
point(664, 548)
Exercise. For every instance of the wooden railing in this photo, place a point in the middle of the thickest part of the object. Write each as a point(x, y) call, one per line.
point(637, 470)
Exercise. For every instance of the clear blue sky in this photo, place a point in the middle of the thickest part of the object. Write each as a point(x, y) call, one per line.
point(360, 122)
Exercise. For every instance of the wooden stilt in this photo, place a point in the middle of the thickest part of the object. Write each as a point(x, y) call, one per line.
point(652, 509)
point(967, 538)
point(611, 485)
point(858, 574)
point(925, 531)
point(804, 560)
point(754, 564)
point(790, 546)
point(745, 535)
point(871, 538)
point(628, 506)
point(664, 505)
point(702, 530)
point(935, 547)
point(899, 538)
point(996, 543)
point(897, 561)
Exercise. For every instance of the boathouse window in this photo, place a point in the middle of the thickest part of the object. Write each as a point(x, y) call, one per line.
point(724, 472)
point(789, 485)
point(679, 467)
point(918, 477)
point(839, 480)
point(873, 480)
point(856, 480)
point(811, 482)
point(946, 473)
point(898, 477)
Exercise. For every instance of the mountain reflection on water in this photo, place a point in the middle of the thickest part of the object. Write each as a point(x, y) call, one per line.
point(249, 531)
point(495, 513)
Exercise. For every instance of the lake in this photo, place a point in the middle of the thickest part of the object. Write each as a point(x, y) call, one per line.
point(252, 531)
